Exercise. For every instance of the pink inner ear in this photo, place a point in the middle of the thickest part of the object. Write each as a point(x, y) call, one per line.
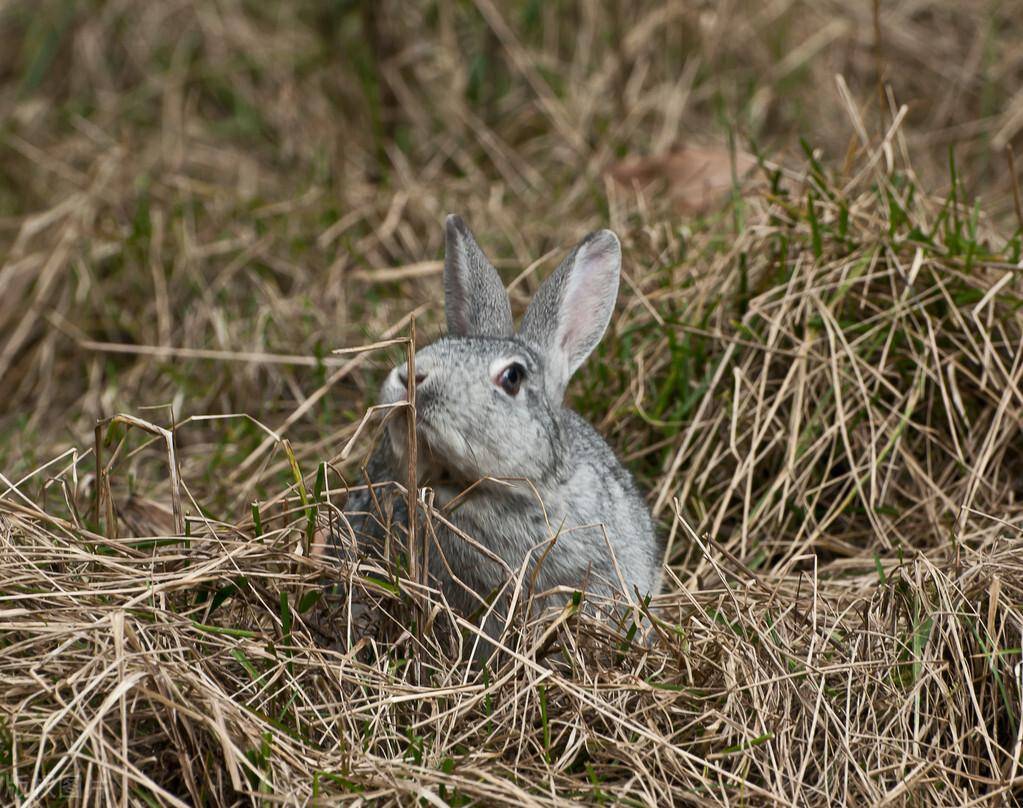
point(588, 300)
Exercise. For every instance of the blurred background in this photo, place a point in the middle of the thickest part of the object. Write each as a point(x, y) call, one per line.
point(200, 200)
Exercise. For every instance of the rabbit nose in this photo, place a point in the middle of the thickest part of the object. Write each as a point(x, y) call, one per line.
point(403, 376)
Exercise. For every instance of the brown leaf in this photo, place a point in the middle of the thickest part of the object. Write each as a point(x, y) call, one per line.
point(146, 517)
point(696, 178)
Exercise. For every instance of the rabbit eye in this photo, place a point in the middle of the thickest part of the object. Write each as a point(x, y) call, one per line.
point(511, 378)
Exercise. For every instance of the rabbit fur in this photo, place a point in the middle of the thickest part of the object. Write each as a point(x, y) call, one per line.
point(528, 479)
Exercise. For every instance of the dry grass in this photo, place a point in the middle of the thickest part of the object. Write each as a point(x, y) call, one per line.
point(818, 382)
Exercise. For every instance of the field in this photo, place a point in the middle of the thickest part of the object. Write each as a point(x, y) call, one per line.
point(815, 370)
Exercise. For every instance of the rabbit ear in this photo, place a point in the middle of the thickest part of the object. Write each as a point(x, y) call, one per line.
point(572, 308)
point(474, 298)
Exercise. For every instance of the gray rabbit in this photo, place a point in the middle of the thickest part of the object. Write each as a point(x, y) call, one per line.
point(527, 489)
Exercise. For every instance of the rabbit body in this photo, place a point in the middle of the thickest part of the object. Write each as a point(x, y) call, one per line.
point(527, 489)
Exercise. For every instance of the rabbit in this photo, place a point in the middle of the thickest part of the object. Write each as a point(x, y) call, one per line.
point(526, 484)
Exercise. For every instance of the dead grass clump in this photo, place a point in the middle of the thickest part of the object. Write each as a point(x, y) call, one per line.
point(196, 671)
point(852, 362)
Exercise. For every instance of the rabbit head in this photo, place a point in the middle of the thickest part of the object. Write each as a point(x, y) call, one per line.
point(488, 398)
